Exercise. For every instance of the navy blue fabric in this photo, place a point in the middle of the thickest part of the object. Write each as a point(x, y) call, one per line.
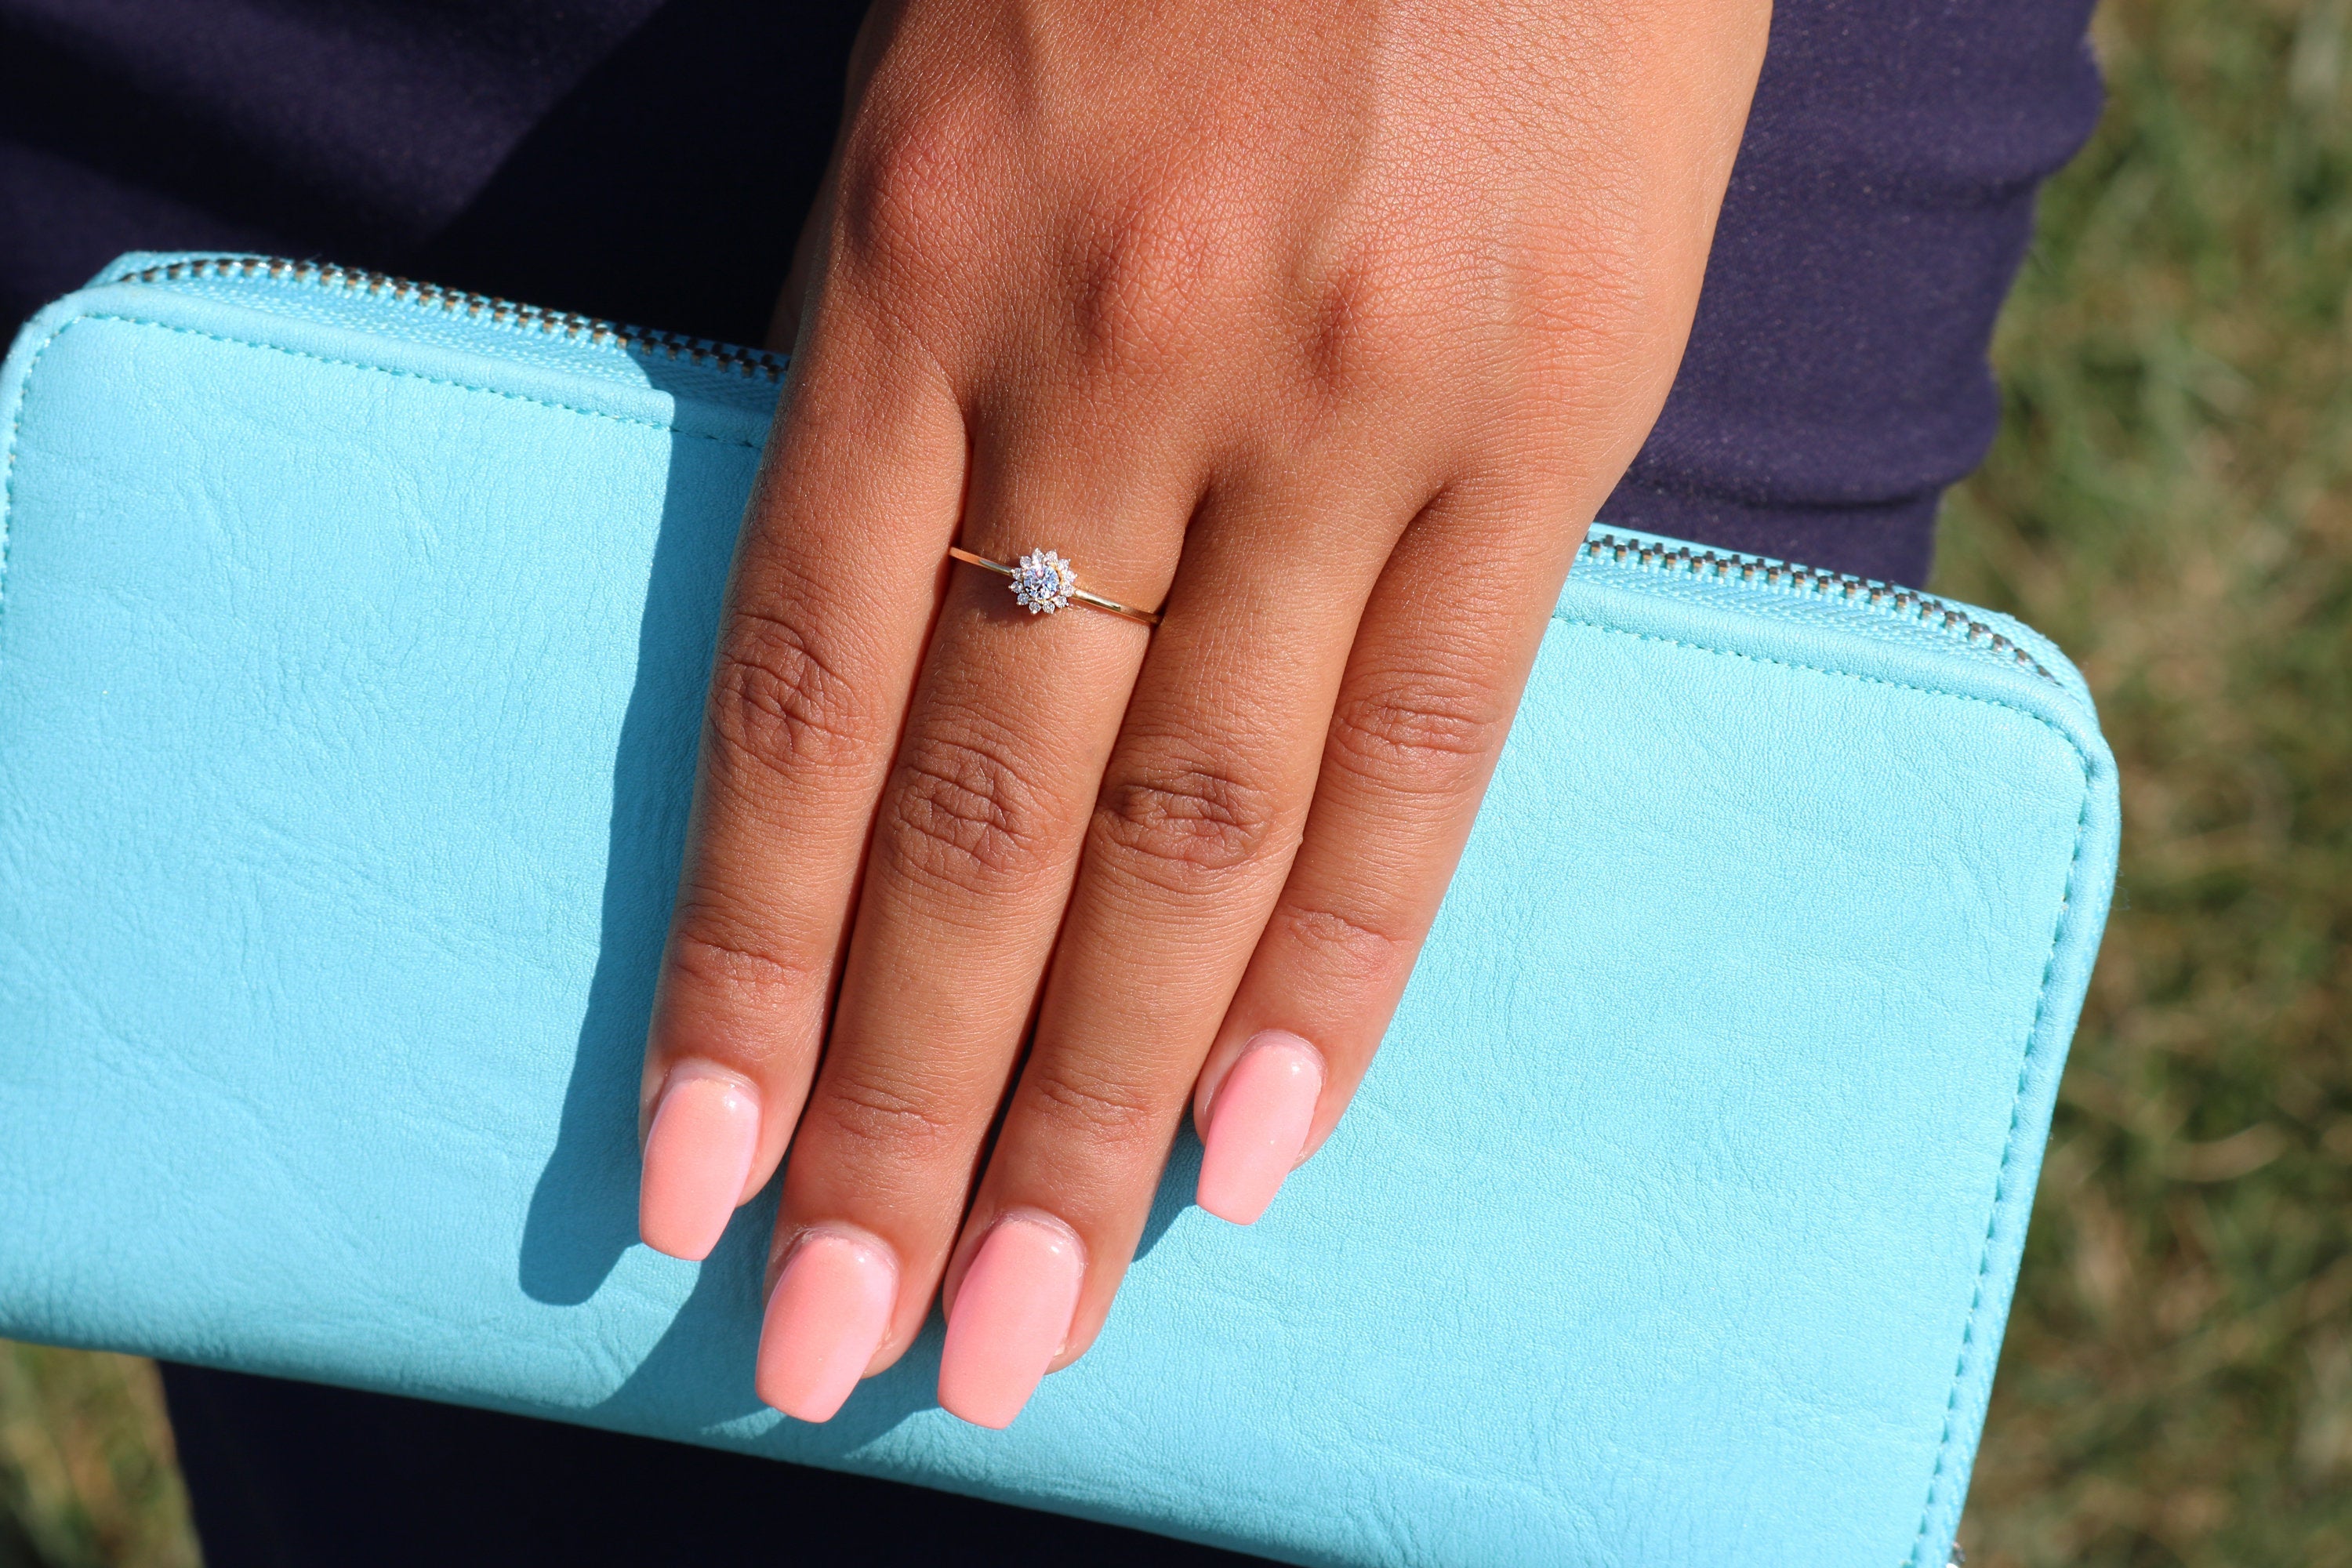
point(632, 159)
point(650, 160)
point(1836, 379)
point(288, 1475)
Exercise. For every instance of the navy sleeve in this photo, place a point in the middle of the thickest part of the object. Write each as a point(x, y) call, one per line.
point(651, 162)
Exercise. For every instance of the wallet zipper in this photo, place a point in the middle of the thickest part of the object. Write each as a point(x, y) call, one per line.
point(1752, 573)
point(758, 364)
point(1857, 592)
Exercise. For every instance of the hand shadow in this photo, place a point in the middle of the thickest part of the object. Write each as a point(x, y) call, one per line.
point(583, 1211)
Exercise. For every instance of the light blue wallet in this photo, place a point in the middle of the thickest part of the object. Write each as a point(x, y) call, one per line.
point(352, 641)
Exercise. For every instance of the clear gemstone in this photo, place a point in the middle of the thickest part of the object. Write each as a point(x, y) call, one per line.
point(1042, 582)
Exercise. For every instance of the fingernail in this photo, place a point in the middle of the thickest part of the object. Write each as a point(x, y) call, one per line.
point(699, 1154)
point(1011, 1318)
point(825, 1319)
point(1257, 1125)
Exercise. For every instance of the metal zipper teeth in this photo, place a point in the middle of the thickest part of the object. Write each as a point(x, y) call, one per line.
point(754, 363)
point(759, 364)
point(1905, 602)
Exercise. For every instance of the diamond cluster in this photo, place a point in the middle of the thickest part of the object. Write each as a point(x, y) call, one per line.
point(1043, 582)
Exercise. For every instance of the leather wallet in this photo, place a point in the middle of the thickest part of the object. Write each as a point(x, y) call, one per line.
point(353, 635)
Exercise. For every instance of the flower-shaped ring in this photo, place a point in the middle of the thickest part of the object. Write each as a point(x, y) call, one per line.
point(1043, 583)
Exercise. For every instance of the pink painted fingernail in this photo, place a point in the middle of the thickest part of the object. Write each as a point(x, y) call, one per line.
point(1011, 1318)
point(699, 1154)
point(1258, 1123)
point(830, 1310)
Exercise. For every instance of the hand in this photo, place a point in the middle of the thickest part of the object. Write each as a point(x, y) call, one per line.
point(1329, 324)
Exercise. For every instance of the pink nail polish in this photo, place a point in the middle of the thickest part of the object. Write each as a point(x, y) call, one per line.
point(830, 1310)
point(1259, 1124)
point(1011, 1318)
point(698, 1153)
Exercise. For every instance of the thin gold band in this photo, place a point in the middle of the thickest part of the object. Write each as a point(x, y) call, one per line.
point(1077, 595)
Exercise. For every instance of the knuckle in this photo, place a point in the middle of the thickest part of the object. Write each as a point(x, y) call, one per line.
point(869, 1108)
point(961, 814)
point(1099, 1108)
point(723, 956)
point(777, 703)
point(1185, 817)
point(1356, 948)
point(909, 196)
point(1416, 727)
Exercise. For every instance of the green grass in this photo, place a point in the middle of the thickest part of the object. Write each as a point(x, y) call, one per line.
point(2169, 499)
point(85, 1472)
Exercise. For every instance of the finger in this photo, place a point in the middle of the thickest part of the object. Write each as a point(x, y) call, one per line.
point(1421, 717)
point(1193, 828)
point(976, 839)
point(821, 631)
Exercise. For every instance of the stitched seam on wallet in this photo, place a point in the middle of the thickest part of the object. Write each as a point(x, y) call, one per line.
point(8, 459)
point(2033, 1034)
point(25, 394)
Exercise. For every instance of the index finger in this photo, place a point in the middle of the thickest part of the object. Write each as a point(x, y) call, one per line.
point(824, 626)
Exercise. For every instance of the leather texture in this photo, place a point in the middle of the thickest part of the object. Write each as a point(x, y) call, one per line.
point(352, 641)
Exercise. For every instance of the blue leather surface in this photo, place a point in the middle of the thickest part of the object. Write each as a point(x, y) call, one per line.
point(348, 685)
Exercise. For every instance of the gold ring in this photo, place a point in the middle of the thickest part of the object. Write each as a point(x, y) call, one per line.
point(1044, 583)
